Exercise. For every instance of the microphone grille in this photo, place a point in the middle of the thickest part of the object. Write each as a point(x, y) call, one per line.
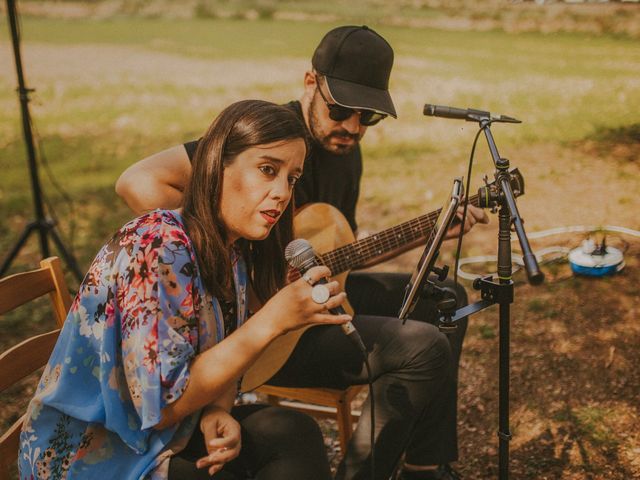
point(299, 252)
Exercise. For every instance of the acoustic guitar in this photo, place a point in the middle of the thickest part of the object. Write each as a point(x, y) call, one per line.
point(332, 239)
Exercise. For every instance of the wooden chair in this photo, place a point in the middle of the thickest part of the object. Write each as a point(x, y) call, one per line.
point(321, 403)
point(33, 353)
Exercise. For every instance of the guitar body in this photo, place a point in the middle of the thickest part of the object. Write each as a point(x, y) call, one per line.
point(326, 229)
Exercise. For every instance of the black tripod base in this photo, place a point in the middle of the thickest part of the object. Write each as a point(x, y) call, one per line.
point(44, 228)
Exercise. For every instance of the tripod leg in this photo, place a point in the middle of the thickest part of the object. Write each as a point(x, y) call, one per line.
point(66, 255)
point(14, 251)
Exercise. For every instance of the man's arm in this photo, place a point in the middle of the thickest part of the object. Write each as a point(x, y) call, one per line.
point(156, 181)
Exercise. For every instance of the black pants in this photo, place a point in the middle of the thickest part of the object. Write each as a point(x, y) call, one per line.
point(414, 379)
point(277, 444)
point(382, 294)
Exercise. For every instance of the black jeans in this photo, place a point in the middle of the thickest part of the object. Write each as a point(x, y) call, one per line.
point(277, 444)
point(381, 294)
point(410, 366)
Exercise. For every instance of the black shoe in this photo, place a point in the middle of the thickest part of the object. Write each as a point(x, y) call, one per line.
point(443, 472)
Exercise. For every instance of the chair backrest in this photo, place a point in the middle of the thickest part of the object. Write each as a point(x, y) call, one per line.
point(20, 288)
point(33, 353)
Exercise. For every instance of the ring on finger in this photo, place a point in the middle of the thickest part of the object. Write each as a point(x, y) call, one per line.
point(320, 293)
point(307, 278)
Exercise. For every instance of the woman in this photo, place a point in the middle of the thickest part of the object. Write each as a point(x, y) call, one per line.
point(158, 337)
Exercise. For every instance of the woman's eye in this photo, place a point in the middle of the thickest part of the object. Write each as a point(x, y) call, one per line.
point(268, 170)
point(293, 180)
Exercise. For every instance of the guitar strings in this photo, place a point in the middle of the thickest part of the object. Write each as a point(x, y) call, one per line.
point(376, 244)
point(341, 258)
point(370, 246)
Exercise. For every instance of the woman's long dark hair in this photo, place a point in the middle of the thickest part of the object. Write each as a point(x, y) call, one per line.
point(240, 126)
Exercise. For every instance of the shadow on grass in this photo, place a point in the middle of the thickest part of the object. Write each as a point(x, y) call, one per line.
point(621, 143)
point(629, 134)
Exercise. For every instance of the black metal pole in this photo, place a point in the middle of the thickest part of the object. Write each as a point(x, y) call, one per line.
point(41, 224)
point(504, 277)
point(23, 93)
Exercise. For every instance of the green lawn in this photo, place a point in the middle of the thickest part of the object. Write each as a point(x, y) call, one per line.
point(109, 92)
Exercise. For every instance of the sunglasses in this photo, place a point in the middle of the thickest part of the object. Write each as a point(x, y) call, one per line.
point(338, 113)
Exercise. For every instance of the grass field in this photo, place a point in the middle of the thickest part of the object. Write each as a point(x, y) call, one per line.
point(109, 92)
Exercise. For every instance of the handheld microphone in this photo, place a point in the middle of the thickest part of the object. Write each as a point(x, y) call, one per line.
point(301, 256)
point(468, 114)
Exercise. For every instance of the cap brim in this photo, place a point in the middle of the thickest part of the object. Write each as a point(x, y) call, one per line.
point(355, 95)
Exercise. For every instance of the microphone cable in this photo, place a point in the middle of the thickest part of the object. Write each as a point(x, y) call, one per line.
point(466, 203)
point(300, 255)
point(372, 438)
point(72, 224)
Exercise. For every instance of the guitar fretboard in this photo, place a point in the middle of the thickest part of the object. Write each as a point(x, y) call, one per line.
point(358, 253)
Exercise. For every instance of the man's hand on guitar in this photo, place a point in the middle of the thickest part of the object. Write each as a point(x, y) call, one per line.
point(474, 215)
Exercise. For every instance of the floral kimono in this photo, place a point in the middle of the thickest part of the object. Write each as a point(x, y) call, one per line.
point(140, 317)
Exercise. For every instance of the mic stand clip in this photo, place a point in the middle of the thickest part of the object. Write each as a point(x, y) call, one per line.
point(419, 285)
point(493, 292)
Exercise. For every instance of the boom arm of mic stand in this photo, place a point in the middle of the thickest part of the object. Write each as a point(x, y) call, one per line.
point(534, 274)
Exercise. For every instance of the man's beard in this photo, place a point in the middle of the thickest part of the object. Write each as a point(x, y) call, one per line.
point(324, 139)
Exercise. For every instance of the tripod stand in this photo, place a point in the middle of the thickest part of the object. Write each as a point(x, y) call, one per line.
point(42, 225)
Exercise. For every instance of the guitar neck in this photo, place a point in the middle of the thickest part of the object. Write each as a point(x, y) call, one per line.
point(382, 243)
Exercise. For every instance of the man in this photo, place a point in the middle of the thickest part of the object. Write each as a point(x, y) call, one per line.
point(345, 92)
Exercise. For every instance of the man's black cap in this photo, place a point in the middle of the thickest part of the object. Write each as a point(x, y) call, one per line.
point(356, 62)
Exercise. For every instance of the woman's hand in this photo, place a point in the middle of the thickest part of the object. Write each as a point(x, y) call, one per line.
point(292, 275)
point(222, 438)
point(292, 307)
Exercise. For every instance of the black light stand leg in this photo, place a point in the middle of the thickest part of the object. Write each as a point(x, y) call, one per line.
point(6, 263)
point(42, 225)
point(66, 255)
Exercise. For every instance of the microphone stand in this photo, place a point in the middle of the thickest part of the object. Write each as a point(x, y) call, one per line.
point(42, 225)
point(501, 292)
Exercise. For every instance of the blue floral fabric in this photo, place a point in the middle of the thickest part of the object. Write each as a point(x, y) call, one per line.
point(122, 356)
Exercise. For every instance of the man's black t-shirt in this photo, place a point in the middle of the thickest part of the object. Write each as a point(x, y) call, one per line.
point(326, 177)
